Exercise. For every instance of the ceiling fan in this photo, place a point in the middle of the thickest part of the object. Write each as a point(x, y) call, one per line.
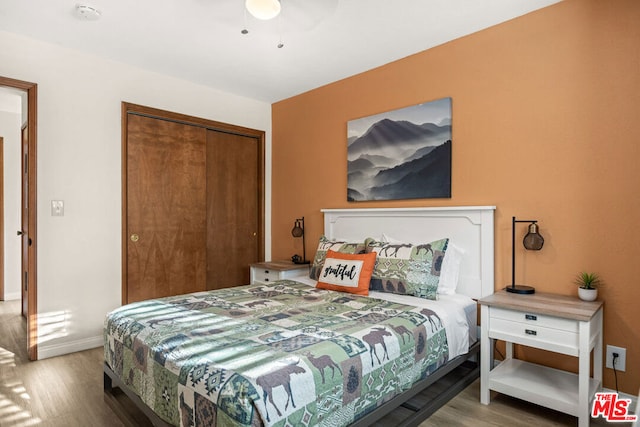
point(295, 16)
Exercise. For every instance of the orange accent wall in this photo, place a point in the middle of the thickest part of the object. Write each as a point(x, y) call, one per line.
point(546, 125)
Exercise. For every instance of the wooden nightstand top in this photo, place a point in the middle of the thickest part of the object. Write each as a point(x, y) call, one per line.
point(279, 265)
point(564, 306)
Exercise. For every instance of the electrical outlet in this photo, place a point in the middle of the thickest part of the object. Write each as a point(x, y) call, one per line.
point(621, 360)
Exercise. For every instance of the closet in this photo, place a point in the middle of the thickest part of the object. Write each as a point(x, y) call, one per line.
point(193, 203)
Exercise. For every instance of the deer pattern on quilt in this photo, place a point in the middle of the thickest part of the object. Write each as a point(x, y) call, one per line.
point(321, 363)
point(402, 330)
point(375, 337)
point(279, 378)
point(432, 317)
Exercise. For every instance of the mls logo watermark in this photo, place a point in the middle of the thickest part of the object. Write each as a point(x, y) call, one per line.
point(609, 407)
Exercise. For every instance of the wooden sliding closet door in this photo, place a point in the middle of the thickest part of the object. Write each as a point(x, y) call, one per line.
point(233, 206)
point(193, 203)
point(166, 208)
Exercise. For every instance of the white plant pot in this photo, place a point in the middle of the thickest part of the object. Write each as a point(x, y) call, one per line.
point(587, 294)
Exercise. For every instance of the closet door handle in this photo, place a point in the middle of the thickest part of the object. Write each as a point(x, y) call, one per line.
point(134, 237)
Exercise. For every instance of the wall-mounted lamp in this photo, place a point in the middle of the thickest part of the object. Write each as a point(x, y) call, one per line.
point(533, 241)
point(298, 231)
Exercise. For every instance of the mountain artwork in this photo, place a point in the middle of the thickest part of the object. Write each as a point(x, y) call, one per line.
point(401, 154)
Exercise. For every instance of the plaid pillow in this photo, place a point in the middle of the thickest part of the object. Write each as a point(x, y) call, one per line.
point(324, 245)
point(405, 268)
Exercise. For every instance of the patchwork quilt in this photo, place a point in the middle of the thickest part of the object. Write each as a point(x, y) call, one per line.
point(278, 354)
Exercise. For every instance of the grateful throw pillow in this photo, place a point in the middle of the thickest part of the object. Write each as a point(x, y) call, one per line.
point(349, 273)
point(325, 244)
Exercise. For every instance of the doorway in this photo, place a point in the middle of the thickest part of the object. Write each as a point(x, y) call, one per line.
point(28, 230)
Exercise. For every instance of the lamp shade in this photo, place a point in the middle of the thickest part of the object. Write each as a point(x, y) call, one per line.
point(533, 240)
point(263, 9)
point(297, 230)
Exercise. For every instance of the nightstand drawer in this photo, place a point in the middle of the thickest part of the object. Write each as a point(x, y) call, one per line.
point(535, 335)
point(535, 320)
point(266, 275)
point(271, 271)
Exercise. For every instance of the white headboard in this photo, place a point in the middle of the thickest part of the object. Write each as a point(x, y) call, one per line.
point(470, 228)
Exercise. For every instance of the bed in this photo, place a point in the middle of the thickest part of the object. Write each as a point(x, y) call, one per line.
point(289, 353)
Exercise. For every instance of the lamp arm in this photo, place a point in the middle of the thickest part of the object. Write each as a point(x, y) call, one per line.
point(513, 252)
point(304, 251)
point(513, 246)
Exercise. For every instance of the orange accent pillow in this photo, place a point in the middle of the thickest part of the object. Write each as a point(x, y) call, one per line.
point(349, 273)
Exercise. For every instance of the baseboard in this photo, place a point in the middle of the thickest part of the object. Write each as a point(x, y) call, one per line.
point(12, 296)
point(45, 351)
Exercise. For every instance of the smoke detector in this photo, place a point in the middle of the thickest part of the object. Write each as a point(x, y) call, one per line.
point(87, 13)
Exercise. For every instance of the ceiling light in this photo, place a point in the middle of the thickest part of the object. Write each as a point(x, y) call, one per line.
point(263, 9)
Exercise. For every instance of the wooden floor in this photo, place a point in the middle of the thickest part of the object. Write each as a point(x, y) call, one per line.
point(67, 391)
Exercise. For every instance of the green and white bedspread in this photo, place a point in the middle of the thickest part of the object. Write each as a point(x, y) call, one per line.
point(281, 354)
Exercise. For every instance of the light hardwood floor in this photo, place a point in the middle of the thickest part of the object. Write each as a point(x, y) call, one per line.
point(67, 391)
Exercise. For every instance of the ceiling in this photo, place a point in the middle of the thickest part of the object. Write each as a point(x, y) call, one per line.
point(201, 40)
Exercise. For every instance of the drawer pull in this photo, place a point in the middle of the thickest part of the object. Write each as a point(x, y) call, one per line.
point(266, 279)
point(530, 317)
point(530, 332)
point(266, 272)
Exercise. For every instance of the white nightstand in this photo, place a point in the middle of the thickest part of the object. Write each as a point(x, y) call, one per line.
point(264, 272)
point(557, 323)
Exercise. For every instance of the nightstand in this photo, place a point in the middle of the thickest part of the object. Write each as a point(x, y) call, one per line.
point(556, 323)
point(264, 272)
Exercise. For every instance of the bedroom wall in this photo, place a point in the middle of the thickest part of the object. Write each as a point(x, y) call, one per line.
point(79, 161)
point(545, 126)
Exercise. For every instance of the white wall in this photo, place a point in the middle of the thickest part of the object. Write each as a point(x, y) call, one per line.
point(79, 161)
point(10, 125)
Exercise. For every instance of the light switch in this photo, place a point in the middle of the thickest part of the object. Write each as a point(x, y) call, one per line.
point(57, 208)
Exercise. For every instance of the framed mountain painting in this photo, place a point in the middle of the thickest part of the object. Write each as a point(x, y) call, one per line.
point(401, 154)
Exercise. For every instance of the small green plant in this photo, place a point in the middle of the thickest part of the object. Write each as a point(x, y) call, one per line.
point(588, 280)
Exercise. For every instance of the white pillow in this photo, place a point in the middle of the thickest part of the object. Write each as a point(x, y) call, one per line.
point(450, 271)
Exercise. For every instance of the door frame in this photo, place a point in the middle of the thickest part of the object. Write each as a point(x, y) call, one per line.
point(129, 108)
point(32, 122)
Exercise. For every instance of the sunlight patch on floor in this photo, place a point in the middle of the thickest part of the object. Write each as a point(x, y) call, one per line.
point(13, 414)
point(7, 358)
point(21, 392)
point(12, 394)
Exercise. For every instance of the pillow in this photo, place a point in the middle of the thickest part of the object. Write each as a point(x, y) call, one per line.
point(324, 245)
point(349, 273)
point(405, 268)
point(450, 270)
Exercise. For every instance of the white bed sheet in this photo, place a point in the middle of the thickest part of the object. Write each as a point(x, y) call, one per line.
point(457, 312)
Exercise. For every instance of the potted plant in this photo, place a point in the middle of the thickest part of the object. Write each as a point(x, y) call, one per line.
point(588, 286)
